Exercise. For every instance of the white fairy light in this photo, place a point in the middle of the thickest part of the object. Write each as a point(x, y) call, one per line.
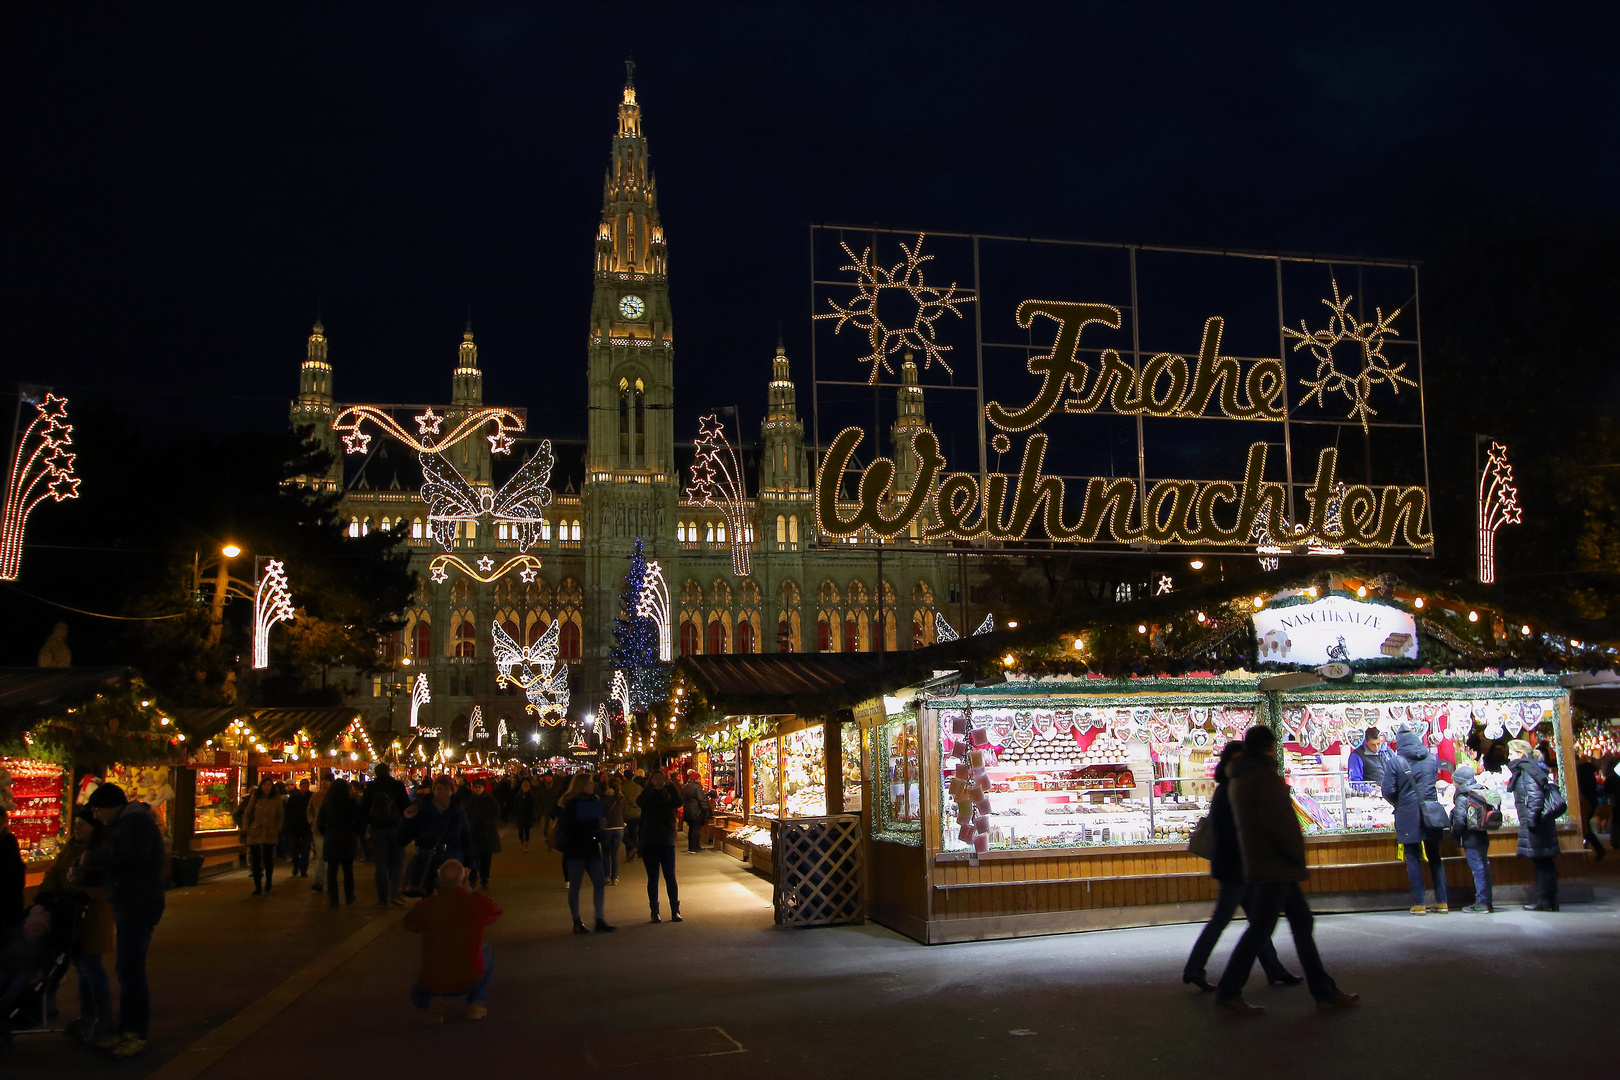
point(862, 312)
point(987, 625)
point(527, 567)
point(520, 502)
point(40, 469)
point(355, 441)
point(943, 630)
point(272, 603)
point(620, 689)
point(534, 670)
point(1498, 506)
point(718, 481)
point(421, 694)
point(653, 603)
point(1371, 368)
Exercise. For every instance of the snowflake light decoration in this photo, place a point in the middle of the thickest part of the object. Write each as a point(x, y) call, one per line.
point(272, 603)
point(654, 604)
point(1376, 368)
point(718, 481)
point(40, 469)
point(420, 695)
point(535, 671)
point(906, 276)
point(1498, 506)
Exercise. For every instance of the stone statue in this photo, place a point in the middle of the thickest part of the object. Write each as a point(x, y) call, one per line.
point(55, 651)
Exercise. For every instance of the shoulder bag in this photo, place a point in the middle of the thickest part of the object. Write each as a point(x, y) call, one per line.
point(1432, 814)
point(1202, 843)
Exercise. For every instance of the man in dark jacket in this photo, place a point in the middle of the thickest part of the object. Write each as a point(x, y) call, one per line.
point(658, 801)
point(1409, 781)
point(695, 809)
point(440, 830)
point(1273, 866)
point(13, 877)
point(1368, 761)
point(128, 861)
point(382, 808)
point(300, 835)
point(1538, 832)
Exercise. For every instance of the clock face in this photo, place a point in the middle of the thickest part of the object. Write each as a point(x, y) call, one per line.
point(632, 307)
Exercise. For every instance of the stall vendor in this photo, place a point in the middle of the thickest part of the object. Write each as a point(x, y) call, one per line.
point(1367, 760)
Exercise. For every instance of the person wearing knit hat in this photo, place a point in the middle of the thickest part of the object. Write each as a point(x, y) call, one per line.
point(1472, 813)
point(1538, 832)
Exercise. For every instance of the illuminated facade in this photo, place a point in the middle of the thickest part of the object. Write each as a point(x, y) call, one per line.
point(798, 596)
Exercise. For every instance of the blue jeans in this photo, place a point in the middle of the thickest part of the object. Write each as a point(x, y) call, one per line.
point(657, 857)
point(388, 856)
point(478, 995)
point(1226, 905)
point(1265, 903)
point(94, 985)
point(1481, 866)
point(576, 869)
point(610, 852)
point(134, 999)
point(1430, 846)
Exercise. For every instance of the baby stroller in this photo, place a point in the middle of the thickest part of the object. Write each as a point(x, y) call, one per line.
point(43, 961)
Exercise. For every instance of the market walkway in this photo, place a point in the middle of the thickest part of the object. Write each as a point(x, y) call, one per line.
point(726, 993)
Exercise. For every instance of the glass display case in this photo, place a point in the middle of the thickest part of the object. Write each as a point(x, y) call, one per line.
point(218, 796)
point(765, 769)
point(897, 780)
point(804, 773)
point(36, 819)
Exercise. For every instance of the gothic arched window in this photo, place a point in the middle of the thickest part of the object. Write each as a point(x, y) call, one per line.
point(641, 425)
point(424, 639)
point(745, 637)
point(568, 641)
point(717, 637)
point(781, 530)
point(689, 639)
point(624, 423)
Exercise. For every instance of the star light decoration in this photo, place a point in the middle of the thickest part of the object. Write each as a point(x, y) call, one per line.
point(718, 481)
point(905, 276)
point(41, 469)
point(421, 694)
point(654, 605)
point(1498, 506)
point(1374, 368)
point(534, 670)
point(348, 424)
point(525, 565)
point(272, 603)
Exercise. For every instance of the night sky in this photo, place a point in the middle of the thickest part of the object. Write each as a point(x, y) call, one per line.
point(184, 185)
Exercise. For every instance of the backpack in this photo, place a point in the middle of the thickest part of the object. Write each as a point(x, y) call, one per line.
point(561, 826)
point(385, 813)
point(1482, 813)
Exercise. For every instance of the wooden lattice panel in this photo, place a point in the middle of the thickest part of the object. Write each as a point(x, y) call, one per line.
point(820, 872)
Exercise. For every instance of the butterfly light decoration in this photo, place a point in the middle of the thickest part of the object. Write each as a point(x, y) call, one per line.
point(534, 670)
point(519, 503)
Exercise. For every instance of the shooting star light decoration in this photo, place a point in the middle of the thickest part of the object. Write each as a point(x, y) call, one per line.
point(718, 481)
point(1498, 506)
point(620, 689)
point(654, 604)
point(420, 695)
point(272, 603)
point(41, 469)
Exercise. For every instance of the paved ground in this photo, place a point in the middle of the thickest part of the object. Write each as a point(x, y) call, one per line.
point(728, 995)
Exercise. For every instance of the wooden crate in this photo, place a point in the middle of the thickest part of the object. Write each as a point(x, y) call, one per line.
point(819, 871)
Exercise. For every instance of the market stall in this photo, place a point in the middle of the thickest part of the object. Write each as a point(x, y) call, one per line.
point(1039, 806)
point(33, 791)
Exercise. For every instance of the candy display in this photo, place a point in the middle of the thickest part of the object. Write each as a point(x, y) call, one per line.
point(36, 806)
point(217, 799)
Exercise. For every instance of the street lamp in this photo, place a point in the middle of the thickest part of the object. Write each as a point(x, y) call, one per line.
point(224, 585)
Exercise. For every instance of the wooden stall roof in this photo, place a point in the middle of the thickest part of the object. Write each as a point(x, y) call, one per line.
point(31, 688)
point(322, 722)
point(802, 684)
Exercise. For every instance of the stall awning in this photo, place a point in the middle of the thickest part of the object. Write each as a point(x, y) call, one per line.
point(803, 684)
point(323, 724)
point(31, 688)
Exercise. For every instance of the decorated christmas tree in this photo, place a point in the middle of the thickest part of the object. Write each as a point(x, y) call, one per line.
point(635, 639)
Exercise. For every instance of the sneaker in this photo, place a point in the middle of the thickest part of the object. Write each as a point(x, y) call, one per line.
point(477, 1012)
point(110, 1042)
point(1439, 909)
point(1418, 909)
point(1476, 909)
point(128, 1047)
point(398, 901)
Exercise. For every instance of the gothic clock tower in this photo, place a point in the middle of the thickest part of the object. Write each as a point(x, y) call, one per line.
point(630, 482)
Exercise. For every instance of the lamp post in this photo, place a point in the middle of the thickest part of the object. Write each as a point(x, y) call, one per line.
point(225, 586)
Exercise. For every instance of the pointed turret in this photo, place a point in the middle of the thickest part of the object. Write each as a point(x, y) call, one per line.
point(468, 385)
point(315, 409)
point(315, 377)
point(908, 421)
point(631, 238)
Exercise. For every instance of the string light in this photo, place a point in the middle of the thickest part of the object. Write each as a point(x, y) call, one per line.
point(654, 604)
point(1418, 603)
point(1361, 590)
point(421, 695)
point(1498, 506)
point(520, 503)
point(441, 566)
point(905, 276)
point(620, 689)
point(1203, 618)
point(1525, 630)
point(718, 481)
point(355, 441)
point(1370, 367)
point(272, 603)
point(534, 670)
point(40, 469)
point(1473, 616)
point(1197, 564)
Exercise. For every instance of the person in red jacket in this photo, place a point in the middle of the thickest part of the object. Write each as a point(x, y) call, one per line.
point(455, 960)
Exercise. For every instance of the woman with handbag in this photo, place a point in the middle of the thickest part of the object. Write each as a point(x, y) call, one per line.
point(1226, 867)
point(1420, 820)
point(1534, 794)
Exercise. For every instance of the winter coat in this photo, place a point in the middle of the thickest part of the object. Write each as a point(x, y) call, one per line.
point(1409, 783)
point(1538, 838)
point(97, 936)
point(340, 824)
point(129, 861)
point(1269, 835)
point(13, 875)
point(694, 803)
point(262, 818)
point(296, 813)
point(546, 796)
point(1226, 864)
point(632, 791)
point(658, 808)
point(524, 807)
point(579, 821)
point(432, 827)
point(1368, 768)
point(612, 810)
point(1468, 791)
point(384, 802)
point(484, 817)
